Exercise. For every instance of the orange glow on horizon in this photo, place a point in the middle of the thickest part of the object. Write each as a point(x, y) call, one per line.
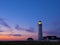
point(12, 38)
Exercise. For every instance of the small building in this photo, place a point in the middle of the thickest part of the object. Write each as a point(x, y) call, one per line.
point(50, 38)
point(30, 39)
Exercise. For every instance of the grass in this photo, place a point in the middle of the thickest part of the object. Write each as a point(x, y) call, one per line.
point(26, 42)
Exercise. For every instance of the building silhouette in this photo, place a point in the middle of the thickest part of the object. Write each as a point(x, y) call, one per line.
point(50, 38)
point(39, 31)
point(30, 39)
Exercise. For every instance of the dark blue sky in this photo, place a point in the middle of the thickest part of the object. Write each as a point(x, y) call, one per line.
point(27, 13)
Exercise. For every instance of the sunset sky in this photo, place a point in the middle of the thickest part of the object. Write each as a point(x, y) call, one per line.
point(19, 18)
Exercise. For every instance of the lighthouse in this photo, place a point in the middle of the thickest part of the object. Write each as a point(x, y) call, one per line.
point(39, 31)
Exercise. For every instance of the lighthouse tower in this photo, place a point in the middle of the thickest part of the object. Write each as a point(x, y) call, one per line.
point(39, 31)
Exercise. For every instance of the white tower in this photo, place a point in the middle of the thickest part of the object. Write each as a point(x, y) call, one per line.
point(40, 31)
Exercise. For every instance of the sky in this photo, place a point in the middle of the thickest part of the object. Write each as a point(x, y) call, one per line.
point(19, 18)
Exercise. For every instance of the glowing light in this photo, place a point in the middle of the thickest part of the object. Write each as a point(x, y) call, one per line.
point(39, 22)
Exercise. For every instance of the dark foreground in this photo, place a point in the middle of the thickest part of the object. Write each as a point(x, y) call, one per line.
point(27, 43)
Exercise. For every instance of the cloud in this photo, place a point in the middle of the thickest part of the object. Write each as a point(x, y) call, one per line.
point(55, 29)
point(15, 35)
point(1, 31)
point(2, 22)
point(47, 34)
point(28, 30)
point(18, 27)
point(55, 32)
